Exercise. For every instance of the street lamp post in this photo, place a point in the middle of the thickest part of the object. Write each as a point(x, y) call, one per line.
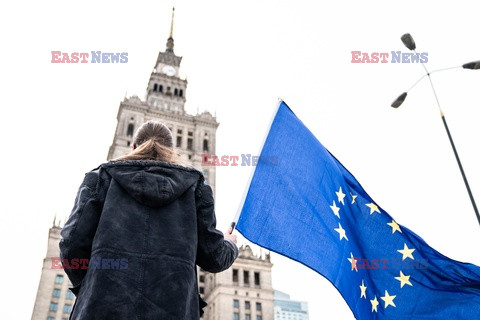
point(408, 41)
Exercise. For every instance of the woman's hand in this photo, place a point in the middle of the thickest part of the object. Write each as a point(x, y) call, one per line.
point(232, 237)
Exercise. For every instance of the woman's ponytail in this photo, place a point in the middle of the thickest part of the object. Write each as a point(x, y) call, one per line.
point(153, 141)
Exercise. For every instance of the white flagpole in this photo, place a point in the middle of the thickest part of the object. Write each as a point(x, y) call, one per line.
point(252, 172)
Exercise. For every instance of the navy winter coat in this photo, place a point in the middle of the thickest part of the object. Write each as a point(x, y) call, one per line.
point(143, 225)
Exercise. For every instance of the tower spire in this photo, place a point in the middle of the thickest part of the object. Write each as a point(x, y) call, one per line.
point(171, 25)
point(170, 38)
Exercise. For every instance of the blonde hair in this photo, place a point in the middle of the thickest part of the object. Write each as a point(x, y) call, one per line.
point(153, 141)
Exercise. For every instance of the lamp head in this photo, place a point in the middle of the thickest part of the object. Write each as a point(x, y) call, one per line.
point(407, 40)
point(475, 65)
point(398, 102)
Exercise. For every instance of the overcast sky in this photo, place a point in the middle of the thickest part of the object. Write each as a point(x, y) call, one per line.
point(240, 57)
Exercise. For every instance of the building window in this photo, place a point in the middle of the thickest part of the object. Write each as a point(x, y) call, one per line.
point(59, 279)
point(256, 279)
point(205, 145)
point(50, 318)
point(247, 317)
point(56, 293)
point(155, 87)
point(236, 316)
point(205, 175)
point(160, 88)
point(259, 317)
point(179, 141)
point(235, 275)
point(53, 306)
point(236, 304)
point(247, 305)
point(67, 308)
point(246, 280)
point(190, 144)
point(175, 92)
point(202, 278)
point(202, 290)
point(258, 306)
point(69, 295)
point(130, 130)
point(190, 140)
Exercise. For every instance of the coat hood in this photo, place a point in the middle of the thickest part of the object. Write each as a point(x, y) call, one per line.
point(152, 183)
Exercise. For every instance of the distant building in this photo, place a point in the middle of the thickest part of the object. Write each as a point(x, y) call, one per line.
point(54, 300)
point(287, 309)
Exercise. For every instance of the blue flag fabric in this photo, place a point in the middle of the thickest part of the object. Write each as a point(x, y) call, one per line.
point(302, 203)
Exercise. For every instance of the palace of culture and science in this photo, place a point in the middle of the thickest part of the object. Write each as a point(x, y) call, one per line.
point(244, 291)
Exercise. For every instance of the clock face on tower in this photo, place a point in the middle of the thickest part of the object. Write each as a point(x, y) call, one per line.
point(169, 71)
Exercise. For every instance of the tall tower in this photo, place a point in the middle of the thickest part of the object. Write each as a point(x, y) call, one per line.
point(165, 99)
point(165, 89)
point(54, 300)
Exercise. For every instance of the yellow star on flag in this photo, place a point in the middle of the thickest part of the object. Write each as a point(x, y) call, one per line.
point(341, 232)
point(373, 208)
point(406, 252)
point(354, 197)
point(388, 300)
point(335, 209)
point(404, 280)
point(353, 262)
point(341, 196)
point(395, 226)
point(374, 303)
point(363, 290)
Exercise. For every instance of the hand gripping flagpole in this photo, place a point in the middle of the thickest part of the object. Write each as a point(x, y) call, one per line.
point(408, 41)
point(244, 196)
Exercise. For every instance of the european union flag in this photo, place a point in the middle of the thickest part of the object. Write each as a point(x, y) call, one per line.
point(305, 205)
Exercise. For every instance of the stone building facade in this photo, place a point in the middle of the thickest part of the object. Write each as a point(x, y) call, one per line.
point(54, 300)
point(243, 292)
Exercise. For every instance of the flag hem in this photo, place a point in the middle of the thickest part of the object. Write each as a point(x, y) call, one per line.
point(252, 172)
